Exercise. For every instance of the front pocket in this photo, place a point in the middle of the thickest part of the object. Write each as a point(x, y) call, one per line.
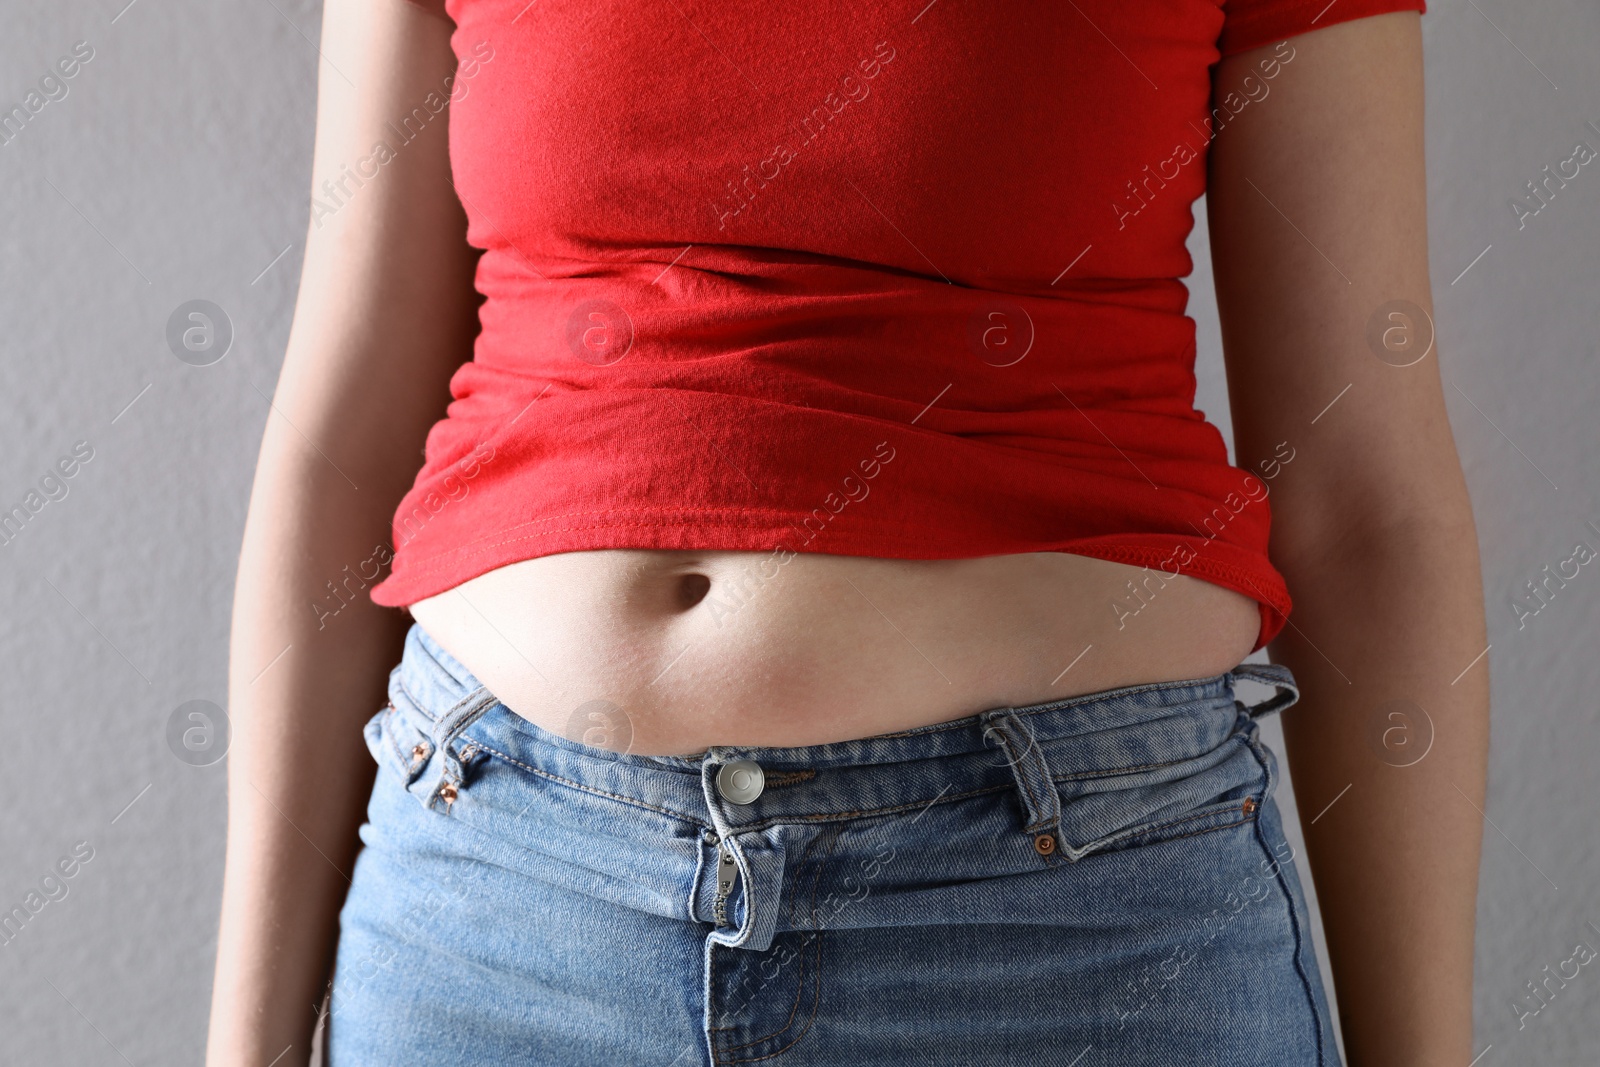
point(398, 743)
point(1139, 806)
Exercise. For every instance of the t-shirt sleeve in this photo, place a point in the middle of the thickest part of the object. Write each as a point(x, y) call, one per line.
point(1250, 24)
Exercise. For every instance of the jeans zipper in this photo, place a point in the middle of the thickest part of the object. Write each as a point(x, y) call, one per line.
point(727, 878)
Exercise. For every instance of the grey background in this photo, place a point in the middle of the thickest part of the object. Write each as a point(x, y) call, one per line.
point(177, 168)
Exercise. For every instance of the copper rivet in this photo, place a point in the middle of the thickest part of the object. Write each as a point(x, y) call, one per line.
point(1249, 805)
point(1044, 844)
point(447, 793)
point(419, 750)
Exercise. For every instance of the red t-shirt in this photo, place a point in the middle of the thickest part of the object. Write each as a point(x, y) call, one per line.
point(893, 279)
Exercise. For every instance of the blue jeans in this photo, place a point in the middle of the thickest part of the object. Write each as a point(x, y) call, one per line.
point(1091, 881)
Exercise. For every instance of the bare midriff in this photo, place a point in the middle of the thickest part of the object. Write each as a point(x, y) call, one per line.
point(670, 652)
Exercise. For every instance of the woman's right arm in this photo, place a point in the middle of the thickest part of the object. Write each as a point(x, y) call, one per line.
point(385, 313)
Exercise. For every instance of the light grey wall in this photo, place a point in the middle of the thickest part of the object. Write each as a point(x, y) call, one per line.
point(176, 168)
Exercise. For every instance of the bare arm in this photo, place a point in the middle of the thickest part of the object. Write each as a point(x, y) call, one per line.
point(1318, 216)
point(385, 312)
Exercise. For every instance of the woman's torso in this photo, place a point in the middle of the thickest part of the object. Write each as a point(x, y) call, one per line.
point(794, 232)
point(669, 652)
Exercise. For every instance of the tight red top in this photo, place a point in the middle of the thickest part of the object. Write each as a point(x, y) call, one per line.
point(894, 279)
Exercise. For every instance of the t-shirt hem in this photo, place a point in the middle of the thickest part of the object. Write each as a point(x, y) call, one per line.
point(426, 574)
point(1280, 22)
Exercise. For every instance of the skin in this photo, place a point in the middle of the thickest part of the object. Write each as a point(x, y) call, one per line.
point(1372, 528)
point(832, 648)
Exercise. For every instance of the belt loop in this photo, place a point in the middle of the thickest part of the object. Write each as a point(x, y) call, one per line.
point(1035, 786)
point(1274, 674)
point(466, 711)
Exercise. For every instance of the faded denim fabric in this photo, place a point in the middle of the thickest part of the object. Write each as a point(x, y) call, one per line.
point(1092, 881)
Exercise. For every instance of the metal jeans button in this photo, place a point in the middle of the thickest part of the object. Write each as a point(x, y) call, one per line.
point(741, 781)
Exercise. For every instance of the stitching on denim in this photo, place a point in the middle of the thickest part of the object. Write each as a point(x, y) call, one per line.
point(1123, 835)
point(402, 764)
point(777, 778)
point(386, 729)
point(1020, 775)
point(1109, 695)
point(977, 721)
point(816, 999)
point(1112, 772)
point(834, 815)
point(1207, 830)
point(460, 721)
point(711, 988)
point(1134, 831)
point(800, 986)
point(946, 798)
point(943, 798)
point(1109, 772)
point(1294, 917)
point(458, 716)
point(423, 709)
point(751, 827)
point(805, 854)
point(632, 801)
point(1175, 837)
point(1068, 703)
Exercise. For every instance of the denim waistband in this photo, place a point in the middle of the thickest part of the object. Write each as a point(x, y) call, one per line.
point(1086, 773)
point(1116, 731)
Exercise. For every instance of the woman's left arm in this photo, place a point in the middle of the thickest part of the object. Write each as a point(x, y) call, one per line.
point(1318, 214)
